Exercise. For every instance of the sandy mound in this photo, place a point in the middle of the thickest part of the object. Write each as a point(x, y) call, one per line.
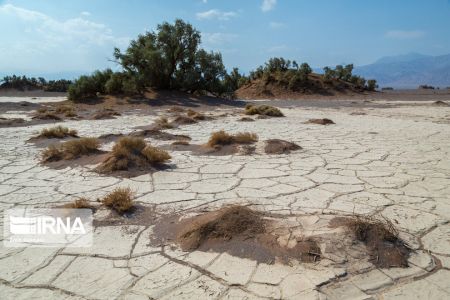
point(320, 121)
point(276, 146)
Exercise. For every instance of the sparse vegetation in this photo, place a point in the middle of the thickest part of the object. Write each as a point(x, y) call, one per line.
point(120, 200)
point(46, 115)
point(71, 149)
point(57, 132)
point(105, 114)
point(132, 152)
point(265, 110)
point(426, 87)
point(23, 83)
point(163, 123)
point(221, 138)
point(381, 237)
point(67, 110)
point(79, 203)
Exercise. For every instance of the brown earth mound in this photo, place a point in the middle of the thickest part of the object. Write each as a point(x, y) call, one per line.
point(236, 230)
point(246, 119)
point(276, 146)
point(440, 103)
point(270, 88)
point(12, 121)
point(105, 114)
point(320, 121)
point(159, 135)
point(381, 238)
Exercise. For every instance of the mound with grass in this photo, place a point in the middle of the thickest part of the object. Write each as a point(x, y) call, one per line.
point(80, 203)
point(382, 240)
point(105, 114)
point(324, 121)
point(71, 150)
point(57, 132)
point(277, 146)
point(221, 138)
point(120, 200)
point(237, 230)
point(264, 110)
point(132, 153)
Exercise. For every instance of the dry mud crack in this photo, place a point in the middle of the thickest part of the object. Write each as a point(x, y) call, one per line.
point(402, 172)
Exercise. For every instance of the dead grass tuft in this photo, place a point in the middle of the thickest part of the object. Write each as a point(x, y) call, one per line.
point(71, 149)
point(57, 132)
point(246, 119)
point(183, 120)
point(47, 116)
point(224, 225)
point(183, 143)
point(382, 240)
point(120, 200)
point(163, 123)
point(79, 203)
point(132, 152)
point(105, 114)
point(67, 110)
point(265, 110)
point(222, 138)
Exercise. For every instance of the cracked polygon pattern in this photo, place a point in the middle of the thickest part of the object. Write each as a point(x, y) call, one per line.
point(401, 172)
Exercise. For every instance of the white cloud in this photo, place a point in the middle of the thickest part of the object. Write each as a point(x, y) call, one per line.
point(205, 1)
point(218, 38)
point(278, 49)
point(85, 14)
point(276, 25)
point(268, 5)
point(41, 42)
point(216, 14)
point(405, 34)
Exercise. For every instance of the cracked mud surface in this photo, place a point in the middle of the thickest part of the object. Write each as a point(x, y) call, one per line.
point(392, 161)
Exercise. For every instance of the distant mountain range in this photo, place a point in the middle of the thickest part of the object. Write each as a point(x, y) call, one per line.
point(408, 71)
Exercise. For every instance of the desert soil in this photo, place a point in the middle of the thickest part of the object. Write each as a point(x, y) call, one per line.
point(388, 157)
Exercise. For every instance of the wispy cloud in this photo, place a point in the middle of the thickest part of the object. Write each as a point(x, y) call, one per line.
point(46, 43)
point(268, 5)
point(218, 38)
point(276, 25)
point(85, 13)
point(404, 34)
point(216, 14)
point(278, 49)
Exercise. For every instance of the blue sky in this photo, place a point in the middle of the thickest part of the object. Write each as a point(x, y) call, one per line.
point(50, 36)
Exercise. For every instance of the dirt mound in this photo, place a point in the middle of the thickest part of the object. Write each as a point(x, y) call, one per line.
point(270, 88)
point(381, 238)
point(183, 120)
point(246, 119)
point(12, 121)
point(440, 103)
point(277, 146)
point(320, 121)
point(222, 225)
point(236, 230)
point(159, 135)
point(105, 114)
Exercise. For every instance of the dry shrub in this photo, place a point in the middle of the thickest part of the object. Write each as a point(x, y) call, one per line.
point(155, 155)
point(163, 123)
point(265, 110)
point(52, 153)
point(67, 110)
point(71, 149)
point(324, 121)
point(184, 120)
point(79, 203)
point(175, 109)
point(132, 152)
point(11, 121)
point(381, 238)
point(120, 200)
point(196, 115)
point(105, 114)
point(46, 116)
point(57, 132)
point(222, 138)
point(223, 225)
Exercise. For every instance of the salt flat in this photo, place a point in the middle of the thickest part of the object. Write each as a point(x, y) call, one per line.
point(392, 161)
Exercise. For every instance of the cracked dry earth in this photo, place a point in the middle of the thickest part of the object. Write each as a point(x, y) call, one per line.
point(374, 163)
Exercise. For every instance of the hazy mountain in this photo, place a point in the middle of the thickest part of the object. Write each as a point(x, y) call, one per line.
point(409, 71)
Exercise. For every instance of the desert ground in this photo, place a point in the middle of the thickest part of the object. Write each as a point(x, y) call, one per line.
point(386, 155)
